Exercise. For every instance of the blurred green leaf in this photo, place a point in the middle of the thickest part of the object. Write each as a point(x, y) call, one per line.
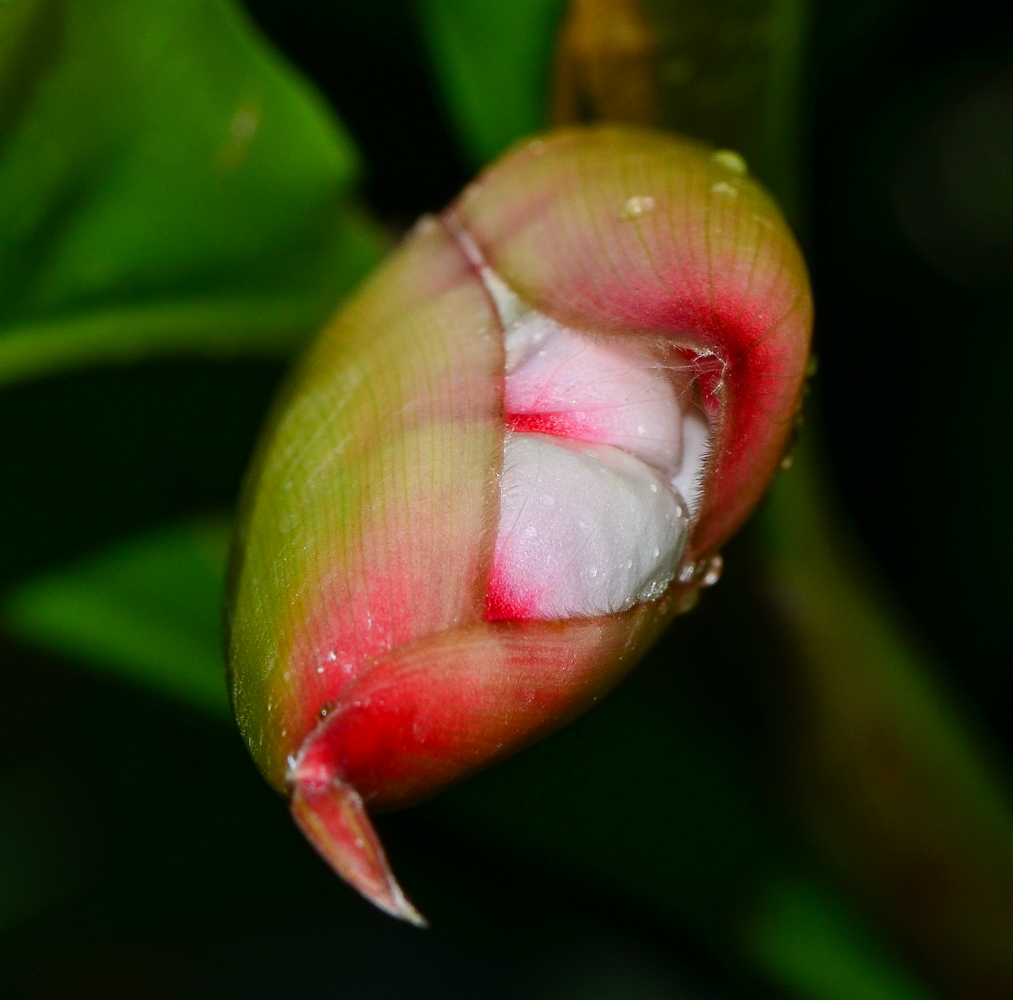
point(817, 947)
point(147, 610)
point(167, 184)
point(492, 60)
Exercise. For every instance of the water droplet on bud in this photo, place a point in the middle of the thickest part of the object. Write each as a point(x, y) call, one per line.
point(712, 573)
point(724, 189)
point(637, 206)
point(730, 159)
point(424, 224)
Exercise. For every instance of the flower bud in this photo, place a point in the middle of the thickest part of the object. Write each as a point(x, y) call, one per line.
point(503, 467)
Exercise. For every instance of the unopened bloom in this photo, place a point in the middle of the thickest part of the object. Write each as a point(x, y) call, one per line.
point(502, 469)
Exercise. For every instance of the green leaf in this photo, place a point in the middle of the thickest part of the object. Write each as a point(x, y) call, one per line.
point(492, 61)
point(817, 947)
point(147, 610)
point(167, 184)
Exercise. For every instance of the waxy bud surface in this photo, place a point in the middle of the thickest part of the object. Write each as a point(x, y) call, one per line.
point(502, 469)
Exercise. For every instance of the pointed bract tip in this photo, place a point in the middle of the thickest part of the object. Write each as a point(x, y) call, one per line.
point(334, 820)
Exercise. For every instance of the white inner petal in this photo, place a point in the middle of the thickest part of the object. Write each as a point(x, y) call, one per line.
point(696, 444)
point(603, 468)
point(590, 390)
point(585, 529)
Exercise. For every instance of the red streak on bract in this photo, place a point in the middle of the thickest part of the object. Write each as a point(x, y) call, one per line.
point(447, 705)
point(349, 635)
point(503, 603)
point(347, 632)
point(559, 424)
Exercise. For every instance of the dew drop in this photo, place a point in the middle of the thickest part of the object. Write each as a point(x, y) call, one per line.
point(727, 190)
point(730, 159)
point(713, 571)
point(655, 589)
point(786, 462)
point(687, 572)
point(425, 224)
point(637, 206)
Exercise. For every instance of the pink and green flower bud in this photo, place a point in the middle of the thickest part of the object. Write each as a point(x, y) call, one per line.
point(503, 468)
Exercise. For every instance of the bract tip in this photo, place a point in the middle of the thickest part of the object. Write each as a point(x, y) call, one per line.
point(334, 820)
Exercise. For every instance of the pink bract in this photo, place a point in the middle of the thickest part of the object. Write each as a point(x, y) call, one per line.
point(610, 323)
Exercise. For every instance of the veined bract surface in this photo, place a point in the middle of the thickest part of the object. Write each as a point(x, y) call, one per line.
point(503, 467)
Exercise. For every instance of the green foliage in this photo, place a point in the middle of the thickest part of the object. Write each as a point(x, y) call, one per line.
point(820, 948)
point(492, 60)
point(147, 610)
point(167, 185)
